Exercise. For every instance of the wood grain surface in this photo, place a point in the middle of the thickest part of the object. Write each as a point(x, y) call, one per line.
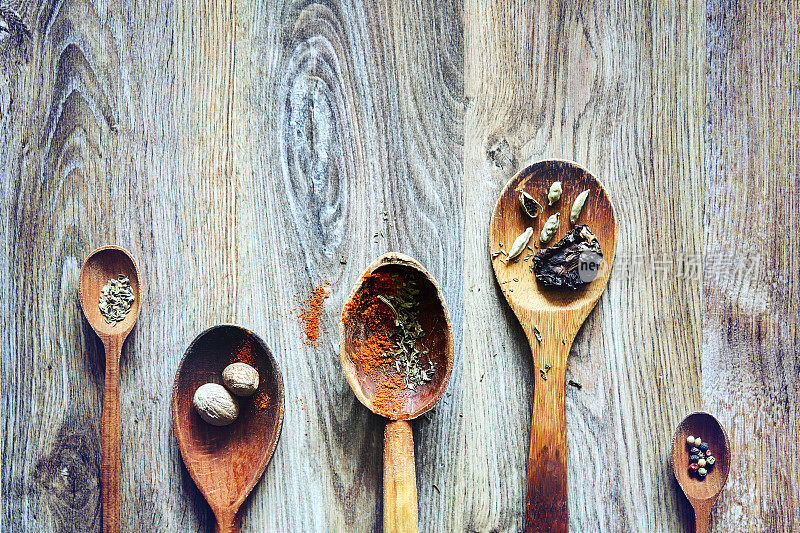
point(246, 152)
point(751, 339)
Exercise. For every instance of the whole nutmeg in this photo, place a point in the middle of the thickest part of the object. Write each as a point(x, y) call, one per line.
point(215, 404)
point(241, 379)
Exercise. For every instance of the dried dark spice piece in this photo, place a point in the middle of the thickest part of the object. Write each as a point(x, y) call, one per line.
point(572, 262)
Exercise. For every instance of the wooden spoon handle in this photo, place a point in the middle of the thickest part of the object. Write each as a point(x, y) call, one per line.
point(227, 522)
point(702, 515)
point(399, 479)
point(546, 497)
point(109, 439)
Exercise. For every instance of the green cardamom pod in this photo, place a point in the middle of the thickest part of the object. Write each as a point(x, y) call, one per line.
point(555, 193)
point(550, 228)
point(577, 205)
point(519, 244)
point(529, 205)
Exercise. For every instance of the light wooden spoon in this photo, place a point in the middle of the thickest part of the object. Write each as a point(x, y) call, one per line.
point(102, 265)
point(399, 479)
point(556, 314)
point(701, 493)
point(226, 462)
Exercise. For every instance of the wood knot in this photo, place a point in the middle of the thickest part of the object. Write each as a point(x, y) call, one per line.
point(501, 154)
point(13, 32)
point(313, 102)
point(70, 475)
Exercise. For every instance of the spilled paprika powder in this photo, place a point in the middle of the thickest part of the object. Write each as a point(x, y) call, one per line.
point(310, 313)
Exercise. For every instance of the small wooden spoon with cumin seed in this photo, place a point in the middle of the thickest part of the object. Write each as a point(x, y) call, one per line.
point(102, 265)
point(556, 314)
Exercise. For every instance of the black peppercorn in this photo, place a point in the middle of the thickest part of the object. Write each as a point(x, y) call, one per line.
point(695, 450)
point(693, 458)
point(704, 446)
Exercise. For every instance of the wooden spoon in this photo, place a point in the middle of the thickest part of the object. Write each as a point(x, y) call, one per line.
point(701, 493)
point(555, 314)
point(399, 480)
point(102, 265)
point(226, 462)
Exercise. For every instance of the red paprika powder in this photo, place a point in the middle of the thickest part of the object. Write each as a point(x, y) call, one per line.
point(372, 350)
point(310, 313)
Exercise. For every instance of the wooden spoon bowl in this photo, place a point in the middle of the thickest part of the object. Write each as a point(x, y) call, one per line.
point(702, 493)
point(102, 265)
point(554, 314)
point(226, 462)
point(438, 340)
point(398, 404)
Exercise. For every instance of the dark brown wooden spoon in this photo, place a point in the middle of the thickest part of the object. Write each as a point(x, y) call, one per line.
point(102, 265)
point(554, 314)
point(399, 480)
point(702, 493)
point(226, 462)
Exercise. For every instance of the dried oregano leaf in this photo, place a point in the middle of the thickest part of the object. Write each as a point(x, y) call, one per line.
point(537, 333)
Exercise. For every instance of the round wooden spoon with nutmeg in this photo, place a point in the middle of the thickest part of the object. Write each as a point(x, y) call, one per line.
point(102, 265)
point(398, 404)
point(550, 318)
point(226, 462)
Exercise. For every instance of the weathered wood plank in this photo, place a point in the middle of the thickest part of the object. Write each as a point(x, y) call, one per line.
point(613, 88)
point(345, 112)
point(62, 157)
point(95, 158)
point(751, 359)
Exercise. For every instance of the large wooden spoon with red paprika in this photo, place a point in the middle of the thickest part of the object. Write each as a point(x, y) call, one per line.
point(366, 347)
point(551, 318)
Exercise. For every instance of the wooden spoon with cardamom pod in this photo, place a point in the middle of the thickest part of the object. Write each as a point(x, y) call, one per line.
point(378, 384)
point(550, 317)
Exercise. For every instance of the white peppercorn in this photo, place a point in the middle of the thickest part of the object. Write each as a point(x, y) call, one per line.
point(690, 440)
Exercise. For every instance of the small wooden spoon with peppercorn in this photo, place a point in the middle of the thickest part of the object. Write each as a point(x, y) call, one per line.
point(102, 265)
point(399, 404)
point(701, 491)
point(550, 317)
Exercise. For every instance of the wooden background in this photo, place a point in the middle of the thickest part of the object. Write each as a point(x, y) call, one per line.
point(239, 150)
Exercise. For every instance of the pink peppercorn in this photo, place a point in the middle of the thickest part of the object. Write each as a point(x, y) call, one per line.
point(694, 466)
